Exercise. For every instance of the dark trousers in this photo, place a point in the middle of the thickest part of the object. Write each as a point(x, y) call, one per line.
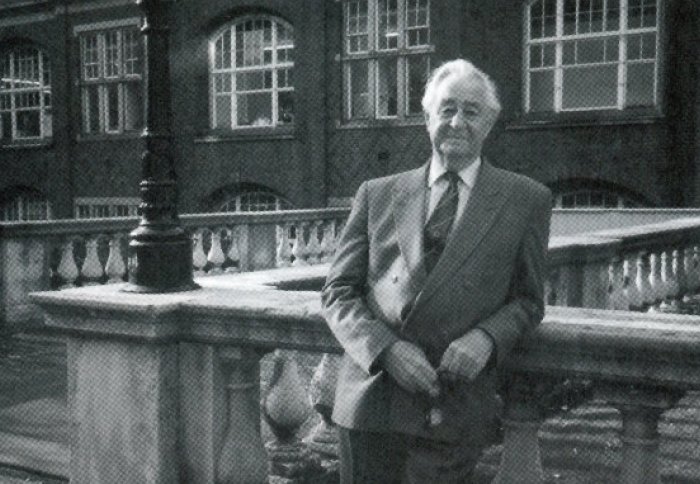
point(393, 458)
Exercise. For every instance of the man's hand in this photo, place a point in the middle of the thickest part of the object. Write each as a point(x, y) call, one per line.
point(466, 357)
point(409, 366)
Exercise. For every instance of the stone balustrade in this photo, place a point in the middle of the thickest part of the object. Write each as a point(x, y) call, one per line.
point(166, 388)
point(60, 254)
point(654, 267)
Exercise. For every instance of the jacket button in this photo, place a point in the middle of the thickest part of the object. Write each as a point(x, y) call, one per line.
point(395, 279)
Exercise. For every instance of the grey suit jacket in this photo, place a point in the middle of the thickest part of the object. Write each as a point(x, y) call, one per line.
point(490, 276)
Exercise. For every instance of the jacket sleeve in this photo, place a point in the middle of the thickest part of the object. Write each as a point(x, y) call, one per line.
point(360, 333)
point(525, 307)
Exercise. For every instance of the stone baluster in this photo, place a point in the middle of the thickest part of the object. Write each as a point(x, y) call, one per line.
point(677, 275)
point(199, 258)
point(242, 457)
point(285, 409)
point(640, 408)
point(233, 254)
point(334, 230)
point(284, 251)
point(655, 283)
point(216, 256)
point(521, 460)
point(67, 268)
point(551, 286)
point(688, 282)
point(91, 270)
point(323, 439)
point(115, 267)
point(617, 298)
point(696, 269)
point(327, 246)
point(632, 294)
point(670, 284)
point(313, 248)
point(642, 282)
point(299, 249)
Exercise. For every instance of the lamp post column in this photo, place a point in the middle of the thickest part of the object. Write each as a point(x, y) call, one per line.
point(160, 252)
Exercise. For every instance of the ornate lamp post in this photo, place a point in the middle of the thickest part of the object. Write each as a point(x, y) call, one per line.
point(160, 252)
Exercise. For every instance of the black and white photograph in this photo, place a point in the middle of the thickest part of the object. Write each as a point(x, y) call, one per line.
point(349, 241)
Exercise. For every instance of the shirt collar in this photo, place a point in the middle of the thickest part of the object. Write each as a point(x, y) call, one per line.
point(468, 174)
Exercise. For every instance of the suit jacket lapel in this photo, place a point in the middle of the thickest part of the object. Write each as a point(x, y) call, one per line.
point(409, 193)
point(483, 205)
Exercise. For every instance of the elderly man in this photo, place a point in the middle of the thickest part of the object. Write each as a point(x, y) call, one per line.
point(438, 274)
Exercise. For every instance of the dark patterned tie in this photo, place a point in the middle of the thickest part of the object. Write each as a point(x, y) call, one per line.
point(440, 222)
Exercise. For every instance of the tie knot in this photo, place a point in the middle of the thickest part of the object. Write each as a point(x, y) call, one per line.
point(451, 177)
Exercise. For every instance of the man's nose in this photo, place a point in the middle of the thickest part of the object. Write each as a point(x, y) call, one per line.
point(458, 120)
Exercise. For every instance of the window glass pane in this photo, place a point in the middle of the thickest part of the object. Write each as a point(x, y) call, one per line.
point(634, 14)
point(28, 124)
point(6, 125)
point(597, 12)
point(132, 52)
point(47, 124)
point(254, 109)
point(359, 89)
point(91, 109)
point(285, 107)
point(590, 51)
point(249, 47)
point(568, 201)
point(542, 91)
point(569, 53)
point(222, 111)
point(112, 108)
point(612, 15)
point(569, 17)
point(386, 87)
point(249, 81)
point(649, 46)
point(649, 13)
point(387, 33)
point(111, 54)
point(590, 87)
point(133, 106)
point(640, 84)
point(418, 70)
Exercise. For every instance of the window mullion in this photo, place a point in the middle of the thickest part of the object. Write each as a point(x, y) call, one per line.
point(558, 67)
point(622, 66)
point(275, 69)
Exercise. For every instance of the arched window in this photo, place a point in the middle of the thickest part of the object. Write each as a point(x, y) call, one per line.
point(22, 204)
point(25, 95)
point(256, 200)
point(251, 66)
point(583, 55)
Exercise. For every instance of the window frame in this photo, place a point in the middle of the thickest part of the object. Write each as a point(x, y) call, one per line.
point(374, 54)
point(622, 63)
point(43, 66)
point(123, 79)
point(275, 67)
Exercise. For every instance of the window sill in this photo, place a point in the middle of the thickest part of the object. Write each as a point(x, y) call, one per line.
point(27, 144)
point(89, 138)
point(587, 119)
point(248, 134)
point(381, 123)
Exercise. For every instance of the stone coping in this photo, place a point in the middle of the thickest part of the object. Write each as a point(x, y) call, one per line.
point(247, 310)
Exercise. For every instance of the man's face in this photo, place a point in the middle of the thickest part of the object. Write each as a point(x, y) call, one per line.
point(459, 120)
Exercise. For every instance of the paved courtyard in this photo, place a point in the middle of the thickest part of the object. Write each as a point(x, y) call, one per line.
point(578, 447)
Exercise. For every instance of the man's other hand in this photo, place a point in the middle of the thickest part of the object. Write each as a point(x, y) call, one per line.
point(409, 366)
point(466, 357)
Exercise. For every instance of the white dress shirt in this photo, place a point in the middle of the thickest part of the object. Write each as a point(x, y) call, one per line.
point(438, 185)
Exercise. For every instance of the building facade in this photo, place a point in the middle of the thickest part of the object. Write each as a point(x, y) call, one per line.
point(281, 104)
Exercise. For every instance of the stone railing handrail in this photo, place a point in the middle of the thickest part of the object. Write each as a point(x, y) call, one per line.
point(126, 224)
point(640, 363)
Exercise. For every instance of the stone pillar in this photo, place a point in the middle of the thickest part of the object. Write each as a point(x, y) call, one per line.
point(124, 407)
point(641, 408)
point(521, 461)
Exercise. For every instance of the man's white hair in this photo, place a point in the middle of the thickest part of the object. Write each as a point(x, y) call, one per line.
point(463, 69)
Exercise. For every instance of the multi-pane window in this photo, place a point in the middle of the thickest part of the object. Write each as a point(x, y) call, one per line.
point(25, 95)
point(386, 57)
point(592, 198)
point(101, 207)
point(254, 201)
point(26, 206)
point(586, 55)
point(111, 63)
point(252, 68)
